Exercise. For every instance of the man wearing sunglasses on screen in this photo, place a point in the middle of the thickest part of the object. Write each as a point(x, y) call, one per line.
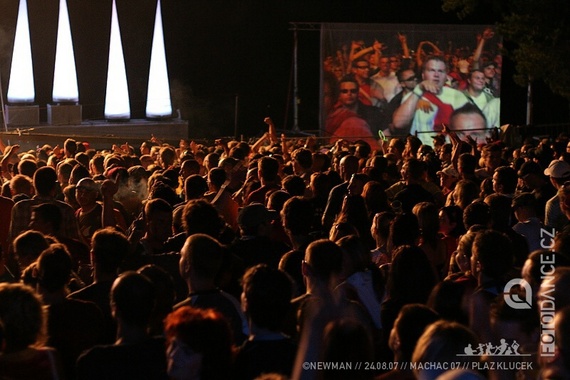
point(350, 119)
point(408, 81)
point(370, 93)
point(431, 103)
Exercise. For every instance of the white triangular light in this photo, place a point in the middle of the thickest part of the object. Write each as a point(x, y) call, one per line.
point(21, 85)
point(158, 104)
point(117, 97)
point(65, 76)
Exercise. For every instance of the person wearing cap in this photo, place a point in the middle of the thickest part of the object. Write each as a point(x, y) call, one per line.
point(534, 179)
point(45, 184)
point(448, 177)
point(559, 173)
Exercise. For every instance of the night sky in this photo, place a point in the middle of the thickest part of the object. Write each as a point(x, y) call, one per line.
point(220, 49)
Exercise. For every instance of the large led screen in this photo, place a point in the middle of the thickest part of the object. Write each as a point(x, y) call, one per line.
point(399, 79)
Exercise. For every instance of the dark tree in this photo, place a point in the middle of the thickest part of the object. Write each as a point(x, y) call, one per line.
point(539, 36)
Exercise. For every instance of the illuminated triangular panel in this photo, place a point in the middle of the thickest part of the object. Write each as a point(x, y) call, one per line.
point(21, 85)
point(65, 76)
point(117, 97)
point(158, 104)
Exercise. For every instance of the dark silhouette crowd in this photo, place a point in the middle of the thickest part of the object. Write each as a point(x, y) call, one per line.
point(258, 260)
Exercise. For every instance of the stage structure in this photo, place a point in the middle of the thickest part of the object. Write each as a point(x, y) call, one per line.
point(21, 91)
point(65, 93)
point(158, 103)
point(64, 116)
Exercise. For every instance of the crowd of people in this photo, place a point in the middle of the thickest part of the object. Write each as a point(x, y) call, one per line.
point(379, 89)
point(256, 261)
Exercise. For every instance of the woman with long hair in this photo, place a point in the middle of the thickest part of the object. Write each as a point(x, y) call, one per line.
point(354, 212)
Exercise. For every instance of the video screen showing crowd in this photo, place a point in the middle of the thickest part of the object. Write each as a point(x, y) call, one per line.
point(395, 80)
